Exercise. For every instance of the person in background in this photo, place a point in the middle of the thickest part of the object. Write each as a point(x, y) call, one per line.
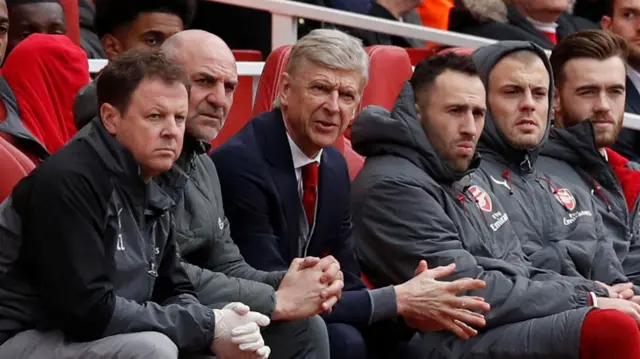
point(396, 10)
point(122, 25)
point(95, 271)
point(590, 75)
point(34, 17)
point(285, 190)
point(212, 260)
point(543, 22)
point(39, 80)
point(88, 38)
point(621, 18)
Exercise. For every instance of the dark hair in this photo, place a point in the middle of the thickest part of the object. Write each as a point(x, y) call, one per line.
point(111, 14)
point(429, 69)
point(610, 7)
point(586, 44)
point(120, 78)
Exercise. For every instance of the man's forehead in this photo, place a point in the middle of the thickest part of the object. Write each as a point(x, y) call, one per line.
point(607, 72)
point(158, 21)
point(210, 61)
point(626, 5)
point(513, 70)
point(313, 72)
point(52, 10)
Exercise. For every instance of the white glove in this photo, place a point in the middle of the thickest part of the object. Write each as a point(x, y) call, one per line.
point(237, 333)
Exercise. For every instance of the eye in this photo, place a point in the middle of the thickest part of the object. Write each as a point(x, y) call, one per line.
point(204, 81)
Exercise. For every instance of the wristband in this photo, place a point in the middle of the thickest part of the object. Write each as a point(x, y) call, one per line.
point(594, 299)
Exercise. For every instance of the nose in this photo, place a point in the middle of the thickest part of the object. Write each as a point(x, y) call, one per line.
point(468, 126)
point(172, 128)
point(602, 103)
point(217, 95)
point(528, 103)
point(331, 102)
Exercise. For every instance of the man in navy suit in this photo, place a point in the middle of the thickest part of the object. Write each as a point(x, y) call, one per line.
point(286, 194)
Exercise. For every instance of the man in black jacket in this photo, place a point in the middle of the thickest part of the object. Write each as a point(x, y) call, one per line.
point(90, 263)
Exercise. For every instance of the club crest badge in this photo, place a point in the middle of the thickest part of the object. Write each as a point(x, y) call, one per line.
point(566, 199)
point(483, 200)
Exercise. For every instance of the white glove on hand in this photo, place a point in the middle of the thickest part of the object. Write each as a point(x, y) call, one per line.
point(237, 333)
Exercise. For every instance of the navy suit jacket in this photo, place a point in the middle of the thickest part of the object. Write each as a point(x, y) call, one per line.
point(628, 143)
point(261, 200)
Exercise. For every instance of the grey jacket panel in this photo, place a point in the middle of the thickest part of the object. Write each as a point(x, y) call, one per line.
point(85, 105)
point(205, 241)
point(20, 306)
point(402, 214)
point(571, 154)
point(215, 290)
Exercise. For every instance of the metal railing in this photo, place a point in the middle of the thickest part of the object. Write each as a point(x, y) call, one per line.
point(284, 30)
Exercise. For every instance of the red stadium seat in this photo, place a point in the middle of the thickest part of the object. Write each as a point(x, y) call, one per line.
point(240, 112)
point(14, 165)
point(270, 79)
point(71, 14)
point(418, 54)
point(384, 85)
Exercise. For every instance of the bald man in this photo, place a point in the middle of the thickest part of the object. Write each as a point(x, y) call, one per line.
point(212, 260)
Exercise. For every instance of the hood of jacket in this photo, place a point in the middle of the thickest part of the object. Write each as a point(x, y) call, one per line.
point(377, 131)
point(87, 13)
point(575, 145)
point(45, 72)
point(493, 140)
point(491, 10)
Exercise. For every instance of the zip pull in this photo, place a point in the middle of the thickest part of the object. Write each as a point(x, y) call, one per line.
point(526, 165)
point(152, 271)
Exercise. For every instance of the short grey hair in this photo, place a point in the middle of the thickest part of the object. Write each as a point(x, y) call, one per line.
point(332, 49)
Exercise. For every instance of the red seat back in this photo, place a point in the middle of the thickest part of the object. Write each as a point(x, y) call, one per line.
point(14, 165)
point(270, 79)
point(418, 54)
point(72, 19)
point(240, 112)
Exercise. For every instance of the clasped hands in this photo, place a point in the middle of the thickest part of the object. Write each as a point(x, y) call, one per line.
point(311, 286)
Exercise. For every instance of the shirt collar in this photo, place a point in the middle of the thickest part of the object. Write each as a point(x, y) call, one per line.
point(299, 158)
point(634, 76)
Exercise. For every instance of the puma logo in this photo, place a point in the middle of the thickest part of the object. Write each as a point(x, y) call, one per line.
point(501, 183)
